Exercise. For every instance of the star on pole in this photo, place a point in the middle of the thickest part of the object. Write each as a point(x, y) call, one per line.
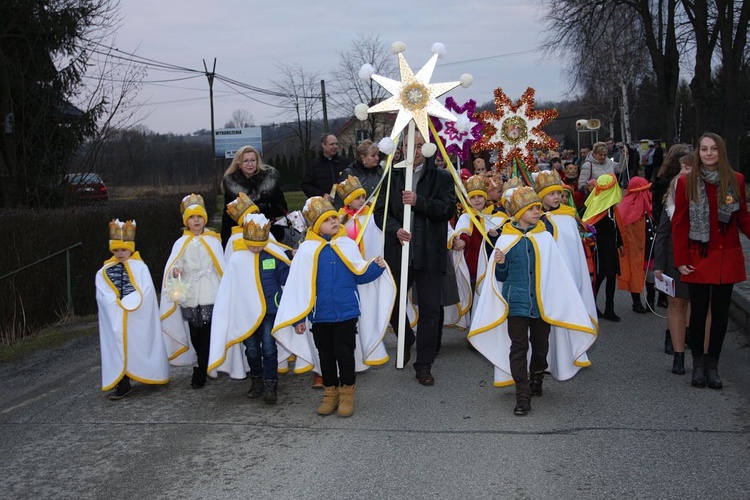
point(414, 97)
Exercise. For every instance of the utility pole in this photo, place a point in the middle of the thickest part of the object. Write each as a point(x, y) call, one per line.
point(325, 108)
point(210, 77)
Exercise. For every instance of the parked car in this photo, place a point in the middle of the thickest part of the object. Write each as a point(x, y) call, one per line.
point(85, 187)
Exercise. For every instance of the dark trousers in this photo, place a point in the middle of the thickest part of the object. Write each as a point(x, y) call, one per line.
point(335, 343)
point(521, 331)
point(200, 336)
point(428, 285)
point(609, 289)
point(717, 297)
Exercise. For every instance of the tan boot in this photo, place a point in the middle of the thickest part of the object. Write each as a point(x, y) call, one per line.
point(346, 401)
point(330, 400)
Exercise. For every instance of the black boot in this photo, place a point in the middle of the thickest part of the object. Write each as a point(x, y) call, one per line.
point(122, 389)
point(637, 306)
point(668, 347)
point(199, 378)
point(712, 374)
point(537, 379)
point(256, 386)
point(523, 407)
point(699, 372)
point(269, 391)
point(609, 313)
point(678, 365)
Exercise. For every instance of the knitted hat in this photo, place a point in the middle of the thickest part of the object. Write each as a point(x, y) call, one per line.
point(255, 229)
point(241, 206)
point(316, 210)
point(121, 235)
point(193, 205)
point(350, 189)
point(547, 182)
point(606, 194)
point(522, 199)
point(475, 185)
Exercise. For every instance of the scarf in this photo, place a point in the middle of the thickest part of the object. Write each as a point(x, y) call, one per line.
point(700, 226)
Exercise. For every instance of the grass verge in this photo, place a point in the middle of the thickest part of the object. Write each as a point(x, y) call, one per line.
point(49, 337)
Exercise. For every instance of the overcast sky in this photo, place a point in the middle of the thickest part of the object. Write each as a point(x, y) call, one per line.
point(249, 38)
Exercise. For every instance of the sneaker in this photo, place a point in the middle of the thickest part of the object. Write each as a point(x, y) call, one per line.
point(269, 392)
point(523, 407)
point(256, 387)
point(122, 390)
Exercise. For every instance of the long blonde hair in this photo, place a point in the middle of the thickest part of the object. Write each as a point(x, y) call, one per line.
point(726, 174)
point(237, 160)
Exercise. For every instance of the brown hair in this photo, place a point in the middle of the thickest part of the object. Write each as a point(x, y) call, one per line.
point(671, 165)
point(364, 148)
point(726, 174)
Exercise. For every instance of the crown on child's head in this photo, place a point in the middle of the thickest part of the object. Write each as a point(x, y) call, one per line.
point(493, 182)
point(316, 210)
point(240, 206)
point(122, 235)
point(522, 199)
point(350, 189)
point(475, 185)
point(547, 182)
point(190, 200)
point(513, 182)
point(255, 229)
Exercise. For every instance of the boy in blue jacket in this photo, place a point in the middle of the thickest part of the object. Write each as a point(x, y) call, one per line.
point(324, 288)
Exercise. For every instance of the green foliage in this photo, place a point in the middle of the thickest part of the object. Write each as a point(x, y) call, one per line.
point(295, 200)
point(37, 296)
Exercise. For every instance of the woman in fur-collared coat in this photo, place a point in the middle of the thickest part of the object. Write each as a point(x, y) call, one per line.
point(260, 182)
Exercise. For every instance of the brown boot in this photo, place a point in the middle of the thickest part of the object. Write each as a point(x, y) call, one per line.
point(330, 400)
point(346, 403)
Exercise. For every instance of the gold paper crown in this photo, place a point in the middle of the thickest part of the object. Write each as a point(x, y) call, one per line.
point(255, 234)
point(350, 189)
point(547, 182)
point(122, 231)
point(476, 185)
point(493, 182)
point(314, 210)
point(191, 199)
point(239, 206)
point(513, 182)
point(522, 199)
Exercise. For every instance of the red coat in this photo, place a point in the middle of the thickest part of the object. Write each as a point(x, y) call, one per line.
point(725, 262)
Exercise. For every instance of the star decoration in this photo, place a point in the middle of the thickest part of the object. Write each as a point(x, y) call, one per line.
point(459, 135)
point(515, 130)
point(414, 97)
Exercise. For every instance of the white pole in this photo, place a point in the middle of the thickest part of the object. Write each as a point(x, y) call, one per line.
point(404, 280)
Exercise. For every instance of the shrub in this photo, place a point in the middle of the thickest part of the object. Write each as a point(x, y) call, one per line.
point(37, 296)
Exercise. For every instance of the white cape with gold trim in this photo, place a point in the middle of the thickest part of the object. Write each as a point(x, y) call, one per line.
point(237, 235)
point(238, 311)
point(377, 298)
point(175, 329)
point(371, 243)
point(129, 329)
point(568, 240)
point(572, 331)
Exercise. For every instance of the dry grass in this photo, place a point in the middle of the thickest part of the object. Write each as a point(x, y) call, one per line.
point(138, 192)
point(52, 336)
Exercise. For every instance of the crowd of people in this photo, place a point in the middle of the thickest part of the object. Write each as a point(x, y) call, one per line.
point(500, 264)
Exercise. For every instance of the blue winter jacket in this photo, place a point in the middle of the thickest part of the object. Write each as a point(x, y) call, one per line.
point(519, 277)
point(273, 275)
point(336, 296)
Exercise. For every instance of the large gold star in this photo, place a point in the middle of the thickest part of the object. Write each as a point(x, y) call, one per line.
point(414, 97)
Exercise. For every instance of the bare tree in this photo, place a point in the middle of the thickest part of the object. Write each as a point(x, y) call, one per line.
point(240, 118)
point(351, 89)
point(300, 99)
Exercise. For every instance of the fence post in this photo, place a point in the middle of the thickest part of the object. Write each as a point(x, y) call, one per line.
point(69, 283)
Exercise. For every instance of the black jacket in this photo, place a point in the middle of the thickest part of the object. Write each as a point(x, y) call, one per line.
point(368, 177)
point(321, 174)
point(436, 205)
point(263, 188)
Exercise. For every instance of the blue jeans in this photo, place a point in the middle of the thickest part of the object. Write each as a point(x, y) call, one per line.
point(261, 352)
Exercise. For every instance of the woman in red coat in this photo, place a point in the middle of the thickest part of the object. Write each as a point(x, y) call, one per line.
point(710, 210)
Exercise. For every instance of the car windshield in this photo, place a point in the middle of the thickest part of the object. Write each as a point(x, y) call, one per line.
point(88, 178)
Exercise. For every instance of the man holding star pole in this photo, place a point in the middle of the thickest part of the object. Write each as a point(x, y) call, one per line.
point(415, 244)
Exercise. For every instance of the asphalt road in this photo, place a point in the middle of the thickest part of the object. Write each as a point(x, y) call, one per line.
point(623, 428)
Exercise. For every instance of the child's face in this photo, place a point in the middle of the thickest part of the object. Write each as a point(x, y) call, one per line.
point(571, 171)
point(478, 202)
point(564, 196)
point(495, 194)
point(122, 254)
point(255, 249)
point(357, 203)
point(480, 168)
point(195, 224)
point(530, 217)
point(551, 200)
point(330, 226)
